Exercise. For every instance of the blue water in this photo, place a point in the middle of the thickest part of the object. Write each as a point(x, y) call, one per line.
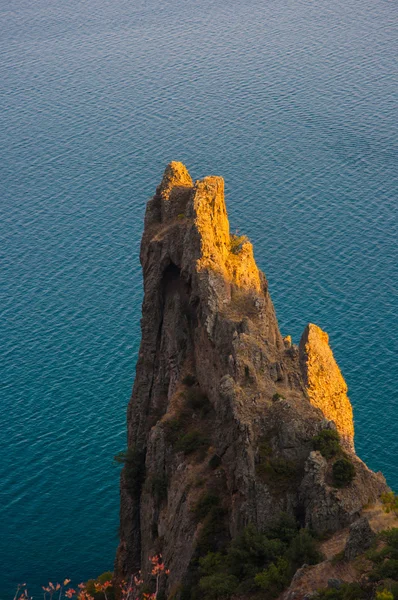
point(292, 101)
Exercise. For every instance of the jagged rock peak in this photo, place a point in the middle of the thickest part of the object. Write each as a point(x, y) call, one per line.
point(200, 208)
point(175, 175)
point(325, 384)
point(222, 405)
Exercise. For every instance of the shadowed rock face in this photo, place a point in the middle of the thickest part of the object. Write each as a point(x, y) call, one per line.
point(219, 402)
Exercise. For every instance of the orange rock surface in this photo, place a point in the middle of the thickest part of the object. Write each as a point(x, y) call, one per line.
point(211, 220)
point(325, 384)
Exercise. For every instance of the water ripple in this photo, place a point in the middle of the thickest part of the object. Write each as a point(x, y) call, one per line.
point(294, 104)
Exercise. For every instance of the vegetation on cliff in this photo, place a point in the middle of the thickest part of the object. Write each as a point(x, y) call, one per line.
point(256, 563)
point(327, 442)
point(379, 577)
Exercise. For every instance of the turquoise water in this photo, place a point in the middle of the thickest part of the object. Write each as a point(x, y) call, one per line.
point(293, 103)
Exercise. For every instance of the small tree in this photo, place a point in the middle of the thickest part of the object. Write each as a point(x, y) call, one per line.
point(275, 578)
point(303, 550)
point(327, 442)
point(219, 585)
point(343, 472)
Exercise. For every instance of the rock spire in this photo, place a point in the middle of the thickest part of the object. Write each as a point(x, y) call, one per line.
point(222, 405)
point(325, 384)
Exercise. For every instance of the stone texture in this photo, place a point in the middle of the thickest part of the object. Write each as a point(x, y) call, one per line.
point(328, 508)
point(361, 537)
point(207, 313)
point(334, 584)
point(325, 384)
point(333, 569)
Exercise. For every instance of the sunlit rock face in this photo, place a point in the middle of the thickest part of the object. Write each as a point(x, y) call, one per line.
point(325, 384)
point(219, 399)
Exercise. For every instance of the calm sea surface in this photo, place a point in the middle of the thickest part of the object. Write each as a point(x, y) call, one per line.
point(292, 102)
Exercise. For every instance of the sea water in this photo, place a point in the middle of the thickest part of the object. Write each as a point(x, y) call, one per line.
point(292, 102)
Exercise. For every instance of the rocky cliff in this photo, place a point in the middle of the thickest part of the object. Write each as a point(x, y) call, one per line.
point(223, 408)
point(324, 382)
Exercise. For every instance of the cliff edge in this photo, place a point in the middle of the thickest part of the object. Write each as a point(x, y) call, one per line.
point(224, 411)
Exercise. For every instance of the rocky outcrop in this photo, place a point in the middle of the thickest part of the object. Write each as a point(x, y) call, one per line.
point(220, 405)
point(328, 508)
point(325, 384)
point(345, 556)
point(361, 538)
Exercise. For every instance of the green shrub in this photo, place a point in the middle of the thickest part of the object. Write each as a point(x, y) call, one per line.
point(189, 380)
point(124, 457)
point(343, 472)
point(173, 429)
point(388, 569)
point(252, 561)
point(159, 484)
point(278, 472)
point(285, 530)
point(213, 535)
point(274, 470)
point(177, 431)
point(213, 562)
point(198, 401)
point(282, 469)
point(250, 551)
point(327, 442)
point(338, 558)
point(390, 548)
point(277, 396)
point(90, 587)
point(348, 591)
point(385, 560)
point(264, 451)
point(218, 586)
point(379, 556)
point(134, 465)
point(391, 537)
point(392, 587)
point(215, 461)
point(236, 242)
point(107, 576)
point(274, 578)
point(390, 502)
point(303, 550)
point(191, 442)
point(384, 595)
point(205, 504)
